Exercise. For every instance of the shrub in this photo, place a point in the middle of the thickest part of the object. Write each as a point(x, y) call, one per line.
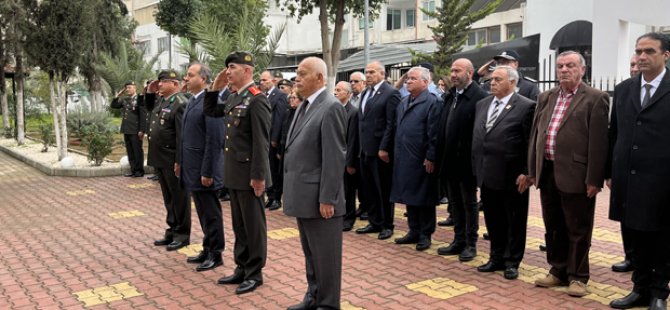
point(46, 134)
point(78, 120)
point(9, 132)
point(98, 142)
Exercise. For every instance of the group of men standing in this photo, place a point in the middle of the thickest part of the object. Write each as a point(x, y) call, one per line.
point(402, 150)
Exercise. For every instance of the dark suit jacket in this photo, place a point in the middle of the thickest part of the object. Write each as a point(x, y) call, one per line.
point(581, 141)
point(376, 126)
point(279, 105)
point(314, 159)
point(247, 117)
point(455, 135)
point(640, 156)
point(133, 114)
point(201, 141)
point(501, 155)
point(353, 143)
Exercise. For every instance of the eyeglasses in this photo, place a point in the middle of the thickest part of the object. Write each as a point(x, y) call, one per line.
point(354, 81)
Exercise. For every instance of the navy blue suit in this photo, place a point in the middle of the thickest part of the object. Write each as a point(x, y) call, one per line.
point(202, 156)
point(376, 130)
point(279, 106)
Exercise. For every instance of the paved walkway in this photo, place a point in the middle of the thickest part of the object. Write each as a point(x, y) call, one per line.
point(75, 243)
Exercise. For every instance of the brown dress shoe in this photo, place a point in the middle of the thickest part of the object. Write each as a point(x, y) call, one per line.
point(550, 281)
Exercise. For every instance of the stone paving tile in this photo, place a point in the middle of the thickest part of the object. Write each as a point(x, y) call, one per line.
point(59, 238)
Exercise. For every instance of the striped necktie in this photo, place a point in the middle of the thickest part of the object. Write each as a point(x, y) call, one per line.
point(494, 115)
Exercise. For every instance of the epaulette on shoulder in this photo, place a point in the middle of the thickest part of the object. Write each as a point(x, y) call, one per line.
point(529, 79)
point(254, 90)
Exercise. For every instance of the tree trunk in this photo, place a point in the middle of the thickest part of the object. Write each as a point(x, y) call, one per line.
point(62, 117)
point(337, 43)
point(325, 44)
point(54, 107)
point(20, 80)
point(97, 99)
point(6, 126)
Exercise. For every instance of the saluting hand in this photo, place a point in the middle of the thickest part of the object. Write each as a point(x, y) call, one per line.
point(221, 80)
point(153, 87)
point(120, 92)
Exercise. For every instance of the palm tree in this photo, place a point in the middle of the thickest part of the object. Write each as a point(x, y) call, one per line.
point(129, 65)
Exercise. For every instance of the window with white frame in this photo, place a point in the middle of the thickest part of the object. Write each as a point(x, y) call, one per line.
point(163, 44)
point(393, 19)
point(428, 6)
point(410, 18)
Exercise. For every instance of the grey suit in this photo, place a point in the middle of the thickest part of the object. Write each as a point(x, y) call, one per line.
point(314, 159)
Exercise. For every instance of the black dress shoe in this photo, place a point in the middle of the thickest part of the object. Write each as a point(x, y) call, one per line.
point(176, 245)
point(543, 248)
point(423, 244)
point(364, 216)
point(511, 273)
point(275, 205)
point(486, 236)
point(452, 249)
point(235, 278)
point(269, 203)
point(468, 254)
point(161, 242)
point(658, 304)
point(201, 257)
point(128, 175)
point(210, 263)
point(305, 305)
point(491, 267)
point(368, 229)
point(407, 239)
point(138, 174)
point(448, 222)
point(385, 234)
point(248, 286)
point(624, 266)
point(631, 300)
point(347, 228)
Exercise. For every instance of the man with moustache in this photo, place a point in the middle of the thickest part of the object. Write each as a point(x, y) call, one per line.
point(500, 158)
point(247, 174)
point(167, 111)
point(343, 94)
point(200, 167)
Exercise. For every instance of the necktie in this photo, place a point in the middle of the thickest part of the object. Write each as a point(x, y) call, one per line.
point(366, 106)
point(647, 95)
point(453, 105)
point(494, 115)
point(302, 111)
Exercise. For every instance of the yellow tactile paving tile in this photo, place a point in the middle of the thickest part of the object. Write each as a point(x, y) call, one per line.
point(599, 234)
point(595, 258)
point(126, 214)
point(284, 233)
point(441, 288)
point(107, 294)
point(81, 192)
point(140, 185)
point(345, 305)
point(191, 250)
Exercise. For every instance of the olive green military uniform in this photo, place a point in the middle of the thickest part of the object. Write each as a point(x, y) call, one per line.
point(133, 122)
point(164, 133)
point(247, 115)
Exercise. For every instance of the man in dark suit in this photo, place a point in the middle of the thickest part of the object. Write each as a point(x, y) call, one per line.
point(455, 160)
point(414, 181)
point(639, 158)
point(201, 165)
point(343, 94)
point(247, 173)
point(167, 110)
point(133, 127)
point(376, 119)
point(314, 162)
point(279, 105)
point(627, 264)
point(500, 157)
point(566, 161)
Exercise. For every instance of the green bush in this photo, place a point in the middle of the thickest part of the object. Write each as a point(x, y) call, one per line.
point(46, 134)
point(98, 142)
point(76, 121)
point(9, 132)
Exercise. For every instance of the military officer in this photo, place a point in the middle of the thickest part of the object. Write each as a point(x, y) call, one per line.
point(133, 127)
point(247, 173)
point(167, 109)
point(527, 87)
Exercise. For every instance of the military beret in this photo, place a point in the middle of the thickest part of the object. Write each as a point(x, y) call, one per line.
point(285, 82)
point(242, 58)
point(168, 74)
point(129, 83)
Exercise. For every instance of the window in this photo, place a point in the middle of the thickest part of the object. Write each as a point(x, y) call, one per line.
point(361, 23)
point(163, 44)
point(410, 18)
point(514, 31)
point(484, 36)
point(393, 19)
point(494, 34)
point(428, 6)
point(144, 46)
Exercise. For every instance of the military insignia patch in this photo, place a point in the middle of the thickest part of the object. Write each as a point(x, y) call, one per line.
point(247, 58)
point(162, 121)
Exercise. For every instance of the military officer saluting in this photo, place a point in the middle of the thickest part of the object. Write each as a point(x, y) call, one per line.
point(133, 127)
point(247, 166)
point(167, 106)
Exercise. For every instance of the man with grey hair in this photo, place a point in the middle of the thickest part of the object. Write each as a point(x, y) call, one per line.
point(376, 128)
point(567, 162)
point(351, 175)
point(357, 81)
point(200, 166)
point(414, 184)
point(314, 161)
point(500, 157)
